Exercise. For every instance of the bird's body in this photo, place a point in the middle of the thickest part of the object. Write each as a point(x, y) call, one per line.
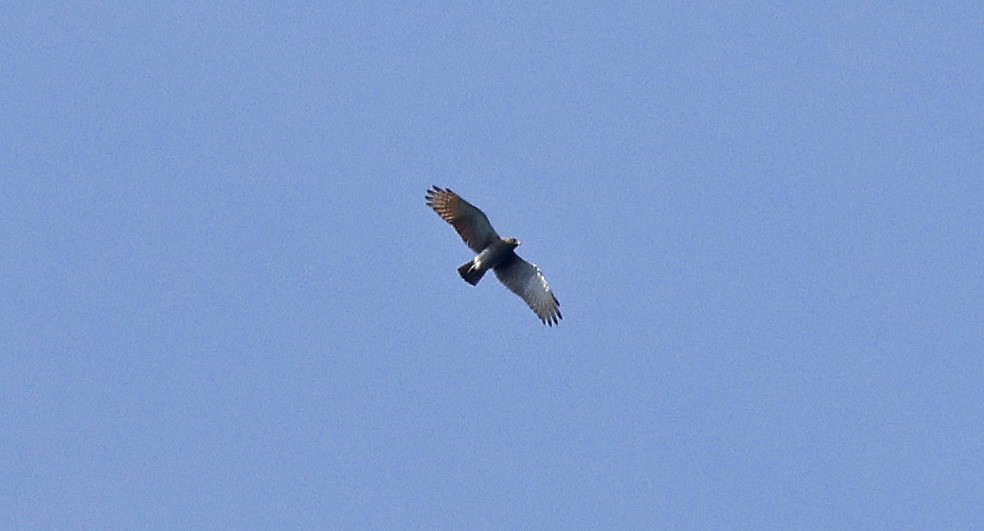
point(495, 253)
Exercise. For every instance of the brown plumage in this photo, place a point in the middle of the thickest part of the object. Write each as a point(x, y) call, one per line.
point(496, 253)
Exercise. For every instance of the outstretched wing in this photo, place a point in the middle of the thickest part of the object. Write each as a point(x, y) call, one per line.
point(469, 221)
point(526, 280)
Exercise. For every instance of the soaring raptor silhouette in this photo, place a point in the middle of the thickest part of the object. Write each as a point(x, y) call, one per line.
point(495, 253)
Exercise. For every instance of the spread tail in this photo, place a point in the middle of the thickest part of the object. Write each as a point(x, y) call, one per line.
point(470, 273)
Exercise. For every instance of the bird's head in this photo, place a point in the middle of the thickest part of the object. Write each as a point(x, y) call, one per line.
point(513, 241)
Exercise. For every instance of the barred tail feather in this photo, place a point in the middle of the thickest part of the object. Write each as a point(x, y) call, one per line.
point(470, 273)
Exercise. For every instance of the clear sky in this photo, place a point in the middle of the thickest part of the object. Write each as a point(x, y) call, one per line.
point(225, 303)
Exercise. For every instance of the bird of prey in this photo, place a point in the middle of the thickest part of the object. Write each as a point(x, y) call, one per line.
point(495, 253)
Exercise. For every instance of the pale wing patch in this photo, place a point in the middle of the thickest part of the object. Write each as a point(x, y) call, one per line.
point(527, 281)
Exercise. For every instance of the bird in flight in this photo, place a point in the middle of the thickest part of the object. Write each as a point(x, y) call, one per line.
point(495, 253)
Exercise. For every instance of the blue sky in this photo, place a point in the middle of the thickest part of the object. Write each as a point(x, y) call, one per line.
point(226, 305)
